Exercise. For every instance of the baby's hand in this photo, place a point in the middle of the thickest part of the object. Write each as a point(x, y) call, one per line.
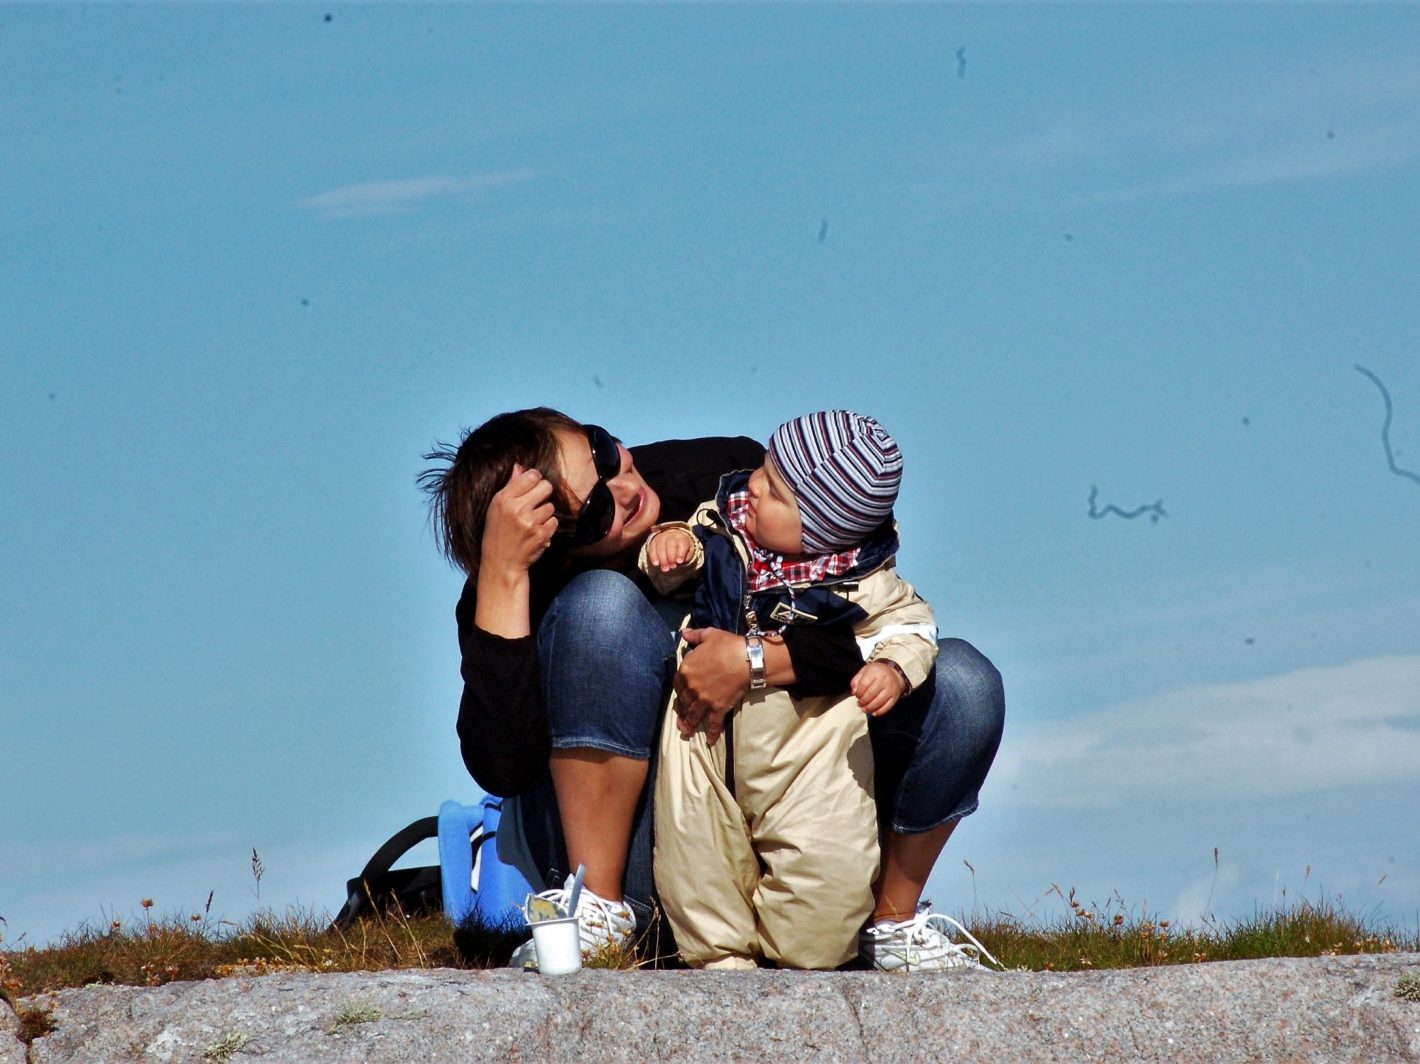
point(878, 685)
point(670, 548)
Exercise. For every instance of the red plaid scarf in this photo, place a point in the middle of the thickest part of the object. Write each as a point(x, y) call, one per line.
point(768, 569)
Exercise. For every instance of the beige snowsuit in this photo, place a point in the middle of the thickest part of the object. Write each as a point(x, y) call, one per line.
point(782, 866)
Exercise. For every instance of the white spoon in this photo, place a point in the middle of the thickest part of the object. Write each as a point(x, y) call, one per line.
point(576, 890)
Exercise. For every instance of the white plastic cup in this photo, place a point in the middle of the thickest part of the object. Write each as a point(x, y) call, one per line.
point(558, 944)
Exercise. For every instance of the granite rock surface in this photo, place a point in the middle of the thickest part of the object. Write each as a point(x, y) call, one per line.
point(1325, 1009)
point(12, 1051)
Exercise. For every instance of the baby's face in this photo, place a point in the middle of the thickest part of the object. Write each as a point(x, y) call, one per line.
point(773, 511)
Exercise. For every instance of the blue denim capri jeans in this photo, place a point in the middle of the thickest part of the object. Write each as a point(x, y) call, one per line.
point(608, 656)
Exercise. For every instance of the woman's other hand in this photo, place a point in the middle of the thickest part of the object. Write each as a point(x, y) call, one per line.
point(712, 679)
point(521, 522)
point(520, 525)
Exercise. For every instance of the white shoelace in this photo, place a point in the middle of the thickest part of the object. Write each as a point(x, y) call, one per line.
point(921, 930)
point(609, 920)
point(927, 918)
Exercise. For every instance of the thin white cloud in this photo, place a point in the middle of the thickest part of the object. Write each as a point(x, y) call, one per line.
point(1274, 124)
point(1296, 159)
point(1295, 733)
point(404, 196)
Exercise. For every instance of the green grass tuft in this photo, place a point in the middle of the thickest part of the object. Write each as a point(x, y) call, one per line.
point(353, 1012)
point(227, 1048)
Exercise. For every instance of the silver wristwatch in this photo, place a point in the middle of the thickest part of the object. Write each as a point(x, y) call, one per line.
point(754, 654)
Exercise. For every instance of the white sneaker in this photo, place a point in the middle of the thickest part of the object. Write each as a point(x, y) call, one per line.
point(921, 944)
point(600, 923)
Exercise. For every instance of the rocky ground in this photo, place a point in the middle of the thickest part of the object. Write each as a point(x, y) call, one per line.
point(1327, 1009)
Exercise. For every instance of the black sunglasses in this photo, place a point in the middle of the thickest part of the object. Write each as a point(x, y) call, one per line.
point(598, 512)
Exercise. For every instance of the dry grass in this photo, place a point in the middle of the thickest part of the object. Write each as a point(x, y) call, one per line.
point(158, 950)
point(153, 951)
point(1113, 936)
point(652, 949)
point(36, 1021)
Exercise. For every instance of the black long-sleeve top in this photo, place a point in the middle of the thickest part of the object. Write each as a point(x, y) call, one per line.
point(502, 725)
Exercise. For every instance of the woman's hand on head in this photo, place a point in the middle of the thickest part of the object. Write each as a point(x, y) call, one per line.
point(712, 679)
point(520, 524)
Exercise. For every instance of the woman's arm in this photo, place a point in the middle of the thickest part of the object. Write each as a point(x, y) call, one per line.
point(502, 722)
point(714, 676)
point(825, 657)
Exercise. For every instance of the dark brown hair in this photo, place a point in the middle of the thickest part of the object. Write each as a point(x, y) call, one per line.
point(463, 485)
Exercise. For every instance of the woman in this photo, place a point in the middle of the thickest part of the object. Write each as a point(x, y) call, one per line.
point(566, 662)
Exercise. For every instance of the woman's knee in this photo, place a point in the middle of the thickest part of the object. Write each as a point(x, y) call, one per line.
point(601, 617)
point(605, 656)
point(969, 687)
point(930, 768)
point(596, 602)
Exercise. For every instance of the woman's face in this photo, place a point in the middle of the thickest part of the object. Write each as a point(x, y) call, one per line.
point(637, 506)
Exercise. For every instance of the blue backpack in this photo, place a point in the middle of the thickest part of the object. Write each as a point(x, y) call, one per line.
point(470, 880)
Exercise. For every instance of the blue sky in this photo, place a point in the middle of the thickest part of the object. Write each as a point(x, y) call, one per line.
point(256, 262)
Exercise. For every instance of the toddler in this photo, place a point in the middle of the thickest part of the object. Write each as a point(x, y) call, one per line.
point(767, 843)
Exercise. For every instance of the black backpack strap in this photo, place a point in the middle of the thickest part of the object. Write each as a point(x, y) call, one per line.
point(377, 882)
point(398, 844)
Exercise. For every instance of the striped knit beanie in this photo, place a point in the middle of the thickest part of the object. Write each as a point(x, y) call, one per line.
point(844, 470)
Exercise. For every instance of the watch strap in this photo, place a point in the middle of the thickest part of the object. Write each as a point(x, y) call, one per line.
point(754, 654)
